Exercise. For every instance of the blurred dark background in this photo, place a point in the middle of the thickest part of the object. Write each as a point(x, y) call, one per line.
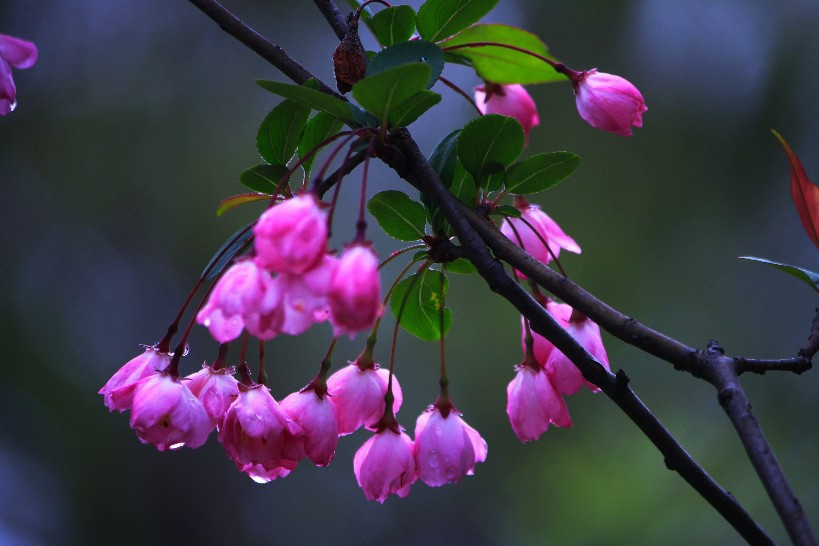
point(137, 120)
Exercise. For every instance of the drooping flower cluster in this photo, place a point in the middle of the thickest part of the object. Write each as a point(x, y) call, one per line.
point(16, 53)
point(546, 375)
point(266, 439)
point(293, 282)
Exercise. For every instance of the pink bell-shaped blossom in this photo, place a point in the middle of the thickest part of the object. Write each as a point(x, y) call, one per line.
point(532, 229)
point(118, 392)
point(608, 102)
point(255, 430)
point(291, 237)
point(244, 294)
point(317, 418)
point(355, 291)
point(385, 464)
point(566, 377)
point(446, 448)
point(165, 413)
point(16, 53)
point(304, 297)
point(358, 396)
point(541, 346)
point(509, 100)
point(216, 389)
point(533, 404)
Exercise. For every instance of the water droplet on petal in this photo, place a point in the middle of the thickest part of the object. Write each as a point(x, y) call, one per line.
point(176, 446)
point(433, 459)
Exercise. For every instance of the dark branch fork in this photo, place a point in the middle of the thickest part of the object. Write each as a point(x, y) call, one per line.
point(477, 236)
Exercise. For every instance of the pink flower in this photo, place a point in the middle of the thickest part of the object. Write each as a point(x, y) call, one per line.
point(542, 229)
point(317, 418)
point(16, 53)
point(565, 376)
point(118, 392)
point(541, 346)
point(358, 396)
point(533, 404)
point(355, 291)
point(255, 430)
point(216, 389)
point(304, 297)
point(509, 100)
point(260, 474)
point(608, 102)
point(291, 237)
point(446, 448)
point(385, 464)
point(166, 414)
point(244, 294)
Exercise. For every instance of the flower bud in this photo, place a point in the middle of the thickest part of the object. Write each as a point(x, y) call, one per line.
point(118, 392)
point(358, 396)
point(385, 464)
point(165, 413)
point(291, 237)
point(446, 448)
point(533, 404)
point(216, 389)
point(355, 291)
point(509, 100)
point(608, 102)
point(255, 430)
point(317, 418)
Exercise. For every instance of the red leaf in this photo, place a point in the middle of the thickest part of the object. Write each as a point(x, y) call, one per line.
point(805, 193)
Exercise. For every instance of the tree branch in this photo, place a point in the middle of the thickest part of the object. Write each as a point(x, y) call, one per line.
point(723, 375)
point(416, 169)
point(258, 43)
point(334, 17)
point(475, 234)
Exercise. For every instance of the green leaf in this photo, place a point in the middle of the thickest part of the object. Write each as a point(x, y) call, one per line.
point(380, 93)
point(489, 144)
point(463, 185)
point(808, 277)
point(280, 132)
point(398, 215)
point(263, 178)
point(226, 252)
point(235, 200)
point(393, 25)
point(439, 19)
point(414, 108)
point(540, 172)
point(421, 313)
point(443, 157)
point(319, 128)
point(502, 65)
point(315, 100)
point(506, 211)
point(461, 266)
point(416, 51)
